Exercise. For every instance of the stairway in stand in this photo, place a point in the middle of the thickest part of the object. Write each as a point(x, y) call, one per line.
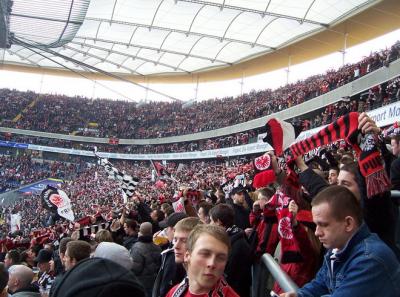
point(19, 116)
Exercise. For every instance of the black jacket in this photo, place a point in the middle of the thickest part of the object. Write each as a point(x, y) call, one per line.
point(238, 268)
point(129, 241)
point(395, 174)
point(169, 274)
point(146, 258)
point(97, 277)
point(242, 216)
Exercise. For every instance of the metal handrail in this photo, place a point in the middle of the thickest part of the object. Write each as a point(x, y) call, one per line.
point(284, 281)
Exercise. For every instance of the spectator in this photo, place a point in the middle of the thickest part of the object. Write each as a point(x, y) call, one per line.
point(130, 228)
point(46, 277)
point(203, 210)
point(12, 258)
point(240, 207)
point(20, 282)
point(167, 274)
point(333, 175)
point(103, 235)
point(3, 280)
point(115, 253)
point(146, 258)
point(77, 250)
point(238, 267)
point(352, 251)
point(207, 254)
point(102, 278)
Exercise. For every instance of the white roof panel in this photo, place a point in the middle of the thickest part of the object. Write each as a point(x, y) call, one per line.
point(164, 36)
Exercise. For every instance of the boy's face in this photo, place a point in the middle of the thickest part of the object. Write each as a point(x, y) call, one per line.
point(180, 238)
point(206, 263)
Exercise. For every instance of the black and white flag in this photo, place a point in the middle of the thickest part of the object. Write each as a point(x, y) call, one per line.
point(126, 182)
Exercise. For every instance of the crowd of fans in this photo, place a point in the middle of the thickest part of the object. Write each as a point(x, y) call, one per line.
point(375, 97)
point(199, 228)
point(22, 170)
point(106, 118)
point(163, 211)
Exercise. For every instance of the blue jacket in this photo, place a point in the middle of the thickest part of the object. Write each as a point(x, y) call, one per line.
point(365, 267)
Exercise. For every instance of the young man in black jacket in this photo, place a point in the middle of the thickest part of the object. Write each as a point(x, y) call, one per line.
point(238, 268)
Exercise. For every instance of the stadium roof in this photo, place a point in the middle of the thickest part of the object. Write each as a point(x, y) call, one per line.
point(184, 40)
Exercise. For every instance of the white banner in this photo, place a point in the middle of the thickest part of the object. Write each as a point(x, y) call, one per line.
point(64, 207)
point(15, 222)
point(246, 149)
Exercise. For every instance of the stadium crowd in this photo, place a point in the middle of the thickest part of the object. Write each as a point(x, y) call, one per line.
point(158, 229)
point(106, 118)
point(22, 170)
point(200, 228)
point(375, 97)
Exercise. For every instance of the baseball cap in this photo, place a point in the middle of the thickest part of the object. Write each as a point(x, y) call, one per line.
point(44, 256)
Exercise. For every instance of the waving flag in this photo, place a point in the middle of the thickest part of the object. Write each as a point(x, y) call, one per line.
point(126, 182)
point(57, 201)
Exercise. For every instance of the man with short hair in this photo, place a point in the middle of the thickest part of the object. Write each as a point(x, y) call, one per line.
point(208, 248)
point(238, 195)
point(203, 210)
point(357, 262)
point(146, 257)
point(238, 268)
point(182, 230)
point(20, 282)
point(333, 175)
point(12, 258)
point(130, 228)
point(77, 250)
point(59, 265)
point(166, 276)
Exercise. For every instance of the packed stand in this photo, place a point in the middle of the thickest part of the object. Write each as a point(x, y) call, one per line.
point(106, 118)
point(380, 95)
point(202, 227)
point(22, 170)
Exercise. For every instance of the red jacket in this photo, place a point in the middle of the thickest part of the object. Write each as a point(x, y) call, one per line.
point(301, 272)
point(266, 226)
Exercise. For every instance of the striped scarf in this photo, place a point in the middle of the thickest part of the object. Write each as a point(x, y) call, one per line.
point(365, 145)
point(219, 290)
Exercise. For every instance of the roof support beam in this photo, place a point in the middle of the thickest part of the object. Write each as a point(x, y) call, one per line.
point(148, 48)
point(111, 51)
point(194, 18)
point(265, 27)
point(266, 8)
point(227, 28)
point(155, 14)
point(112, 14)
point(101, 60)
point(162, 43)
point(220, 50)
point(261, 12)
point(23, 58)
point(308, 10)
point(179, 31)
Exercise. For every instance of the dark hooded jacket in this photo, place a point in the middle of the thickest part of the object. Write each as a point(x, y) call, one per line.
point(238, 268)
point(97, 277)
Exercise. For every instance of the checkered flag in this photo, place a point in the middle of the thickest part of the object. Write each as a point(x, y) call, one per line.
point(126, 182)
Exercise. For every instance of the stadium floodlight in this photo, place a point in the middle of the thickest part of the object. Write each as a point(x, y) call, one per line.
point(5, 10)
